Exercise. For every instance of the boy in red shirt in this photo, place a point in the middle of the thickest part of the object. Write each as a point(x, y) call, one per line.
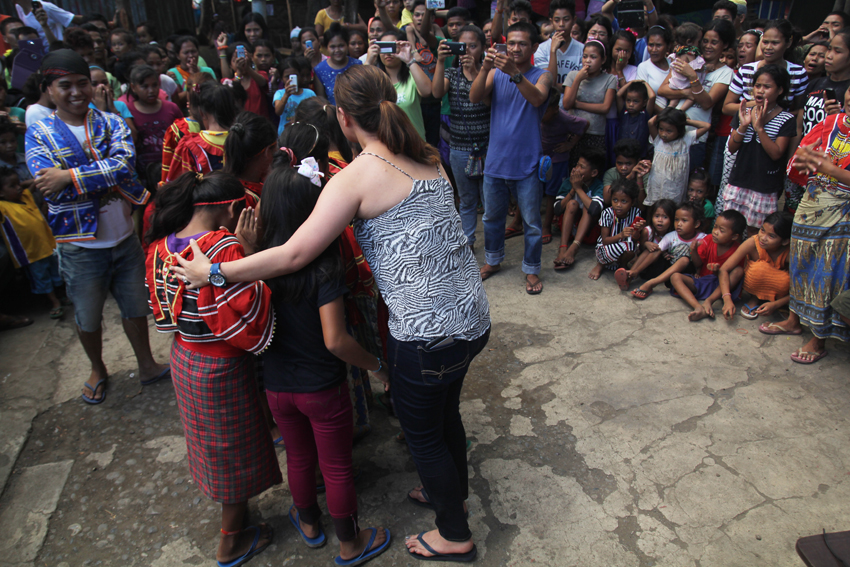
point(707, 256)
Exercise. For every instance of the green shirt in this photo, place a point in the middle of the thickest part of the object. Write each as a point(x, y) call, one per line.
point(408, 101)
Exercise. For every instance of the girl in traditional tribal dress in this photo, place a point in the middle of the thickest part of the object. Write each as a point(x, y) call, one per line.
point(231, 456)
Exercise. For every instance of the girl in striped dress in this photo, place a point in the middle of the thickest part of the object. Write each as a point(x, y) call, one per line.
point(760, 138)
point(621, 225)
point(230, 451)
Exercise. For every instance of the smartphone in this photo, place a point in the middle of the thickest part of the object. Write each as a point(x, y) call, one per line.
point(457, 47)
point(501, 47)
point(293, 80)
point(438, 343)
point(830, 94)
point(240, 51)
point(630, 14)
point(435, 4)
point(309, 44)
point(387, 46)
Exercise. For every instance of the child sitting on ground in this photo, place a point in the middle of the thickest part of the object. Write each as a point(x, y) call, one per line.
point(677, 245)
point(633, 100)
point(620, 227)
point(582, 192)
point(626, 166)
point(699, 195)
point(765, 273)
point(707, 255)
point(29, 239)
point(649, 265)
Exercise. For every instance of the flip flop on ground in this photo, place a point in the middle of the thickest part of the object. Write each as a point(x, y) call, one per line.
point(623, 280)
point(546, 238)
point(510, 232)
point(640, 294)
point(533, 288)
point(92, 400)
point(313, 542)
point(158, 377)
point(815, 356)
point(748, 312)
point(467, 557)
point(254, 550)
point(57, 313)
point(7, 322)
point(368, 552)
point(777, 329)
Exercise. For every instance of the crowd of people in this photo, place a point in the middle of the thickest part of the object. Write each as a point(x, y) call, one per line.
point(212, 181)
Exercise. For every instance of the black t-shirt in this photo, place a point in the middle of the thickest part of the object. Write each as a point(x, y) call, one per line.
point(813, 112)
point(297, 360)
point(753, 168)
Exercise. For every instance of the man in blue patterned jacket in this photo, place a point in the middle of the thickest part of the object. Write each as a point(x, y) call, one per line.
point(83, 161)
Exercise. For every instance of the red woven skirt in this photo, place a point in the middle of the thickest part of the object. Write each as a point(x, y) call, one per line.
point(231, 454)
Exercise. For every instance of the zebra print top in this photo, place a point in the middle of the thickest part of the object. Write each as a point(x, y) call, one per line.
point(423, 265)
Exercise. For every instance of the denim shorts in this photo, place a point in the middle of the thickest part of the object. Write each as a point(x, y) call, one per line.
point(90, 273)
point(44, 275)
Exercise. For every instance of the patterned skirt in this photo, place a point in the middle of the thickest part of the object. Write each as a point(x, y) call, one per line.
point(231, 454)
point(753, 205)
point(820, 259)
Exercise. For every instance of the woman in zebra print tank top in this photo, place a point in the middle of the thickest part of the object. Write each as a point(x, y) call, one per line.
point(411, 235)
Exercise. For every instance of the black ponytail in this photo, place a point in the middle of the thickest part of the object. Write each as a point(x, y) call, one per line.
point(248, 136)
point(215, 100)
point(176, 201)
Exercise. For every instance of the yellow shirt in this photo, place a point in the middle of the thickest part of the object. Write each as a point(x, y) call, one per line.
point(324, 20)
point(26, 232)
point(406, 18)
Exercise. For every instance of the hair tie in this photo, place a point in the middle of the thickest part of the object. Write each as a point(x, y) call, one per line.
point(309, 168)
point(687, 49)
point(291, 154)
point(633, 32)
point(213, 203)
point(196, 88)
point(602, 45)
point(754, 32)
point(199, 177)
point(238, 128)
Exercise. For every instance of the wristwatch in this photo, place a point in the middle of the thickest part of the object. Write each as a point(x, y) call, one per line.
point(216, 278)
point(516, 78)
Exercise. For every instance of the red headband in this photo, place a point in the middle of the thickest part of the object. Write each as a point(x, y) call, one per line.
point(242, 198)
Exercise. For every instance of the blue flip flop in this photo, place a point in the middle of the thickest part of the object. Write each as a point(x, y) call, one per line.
point(313, 542)
point(158, 377)
point(250, 553)
point(467, 557)
point(367, 552)
point(91, 400)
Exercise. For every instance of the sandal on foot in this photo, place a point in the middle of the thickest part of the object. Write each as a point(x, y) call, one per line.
point(510, 232)
point(467, 557)
point(560, 265)
point(278, 443)
point(546, 238)
point(622, 277)
point(529, 287)
point(640, 294)
point(250, 553)
point(91, 400)
point(158, 377)
point(798, 356)
point(313, 542)
point(777, 329)
point(368, 553)
point(57, 313)
point(486, 274)
point(747, 312)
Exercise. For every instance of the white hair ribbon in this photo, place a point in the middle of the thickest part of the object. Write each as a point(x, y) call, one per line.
point(310, 169)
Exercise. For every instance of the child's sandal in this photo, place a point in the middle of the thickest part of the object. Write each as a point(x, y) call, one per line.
point(640, 294)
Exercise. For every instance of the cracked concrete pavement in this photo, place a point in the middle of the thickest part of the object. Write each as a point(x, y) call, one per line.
point(605, 431)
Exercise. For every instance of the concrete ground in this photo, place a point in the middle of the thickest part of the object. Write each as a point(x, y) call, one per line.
point(605, 432)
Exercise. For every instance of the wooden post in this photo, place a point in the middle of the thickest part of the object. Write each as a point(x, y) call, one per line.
point(350, 10)
point(289, 15)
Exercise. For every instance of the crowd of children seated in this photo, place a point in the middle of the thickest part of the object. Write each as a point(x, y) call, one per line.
point(709, 158)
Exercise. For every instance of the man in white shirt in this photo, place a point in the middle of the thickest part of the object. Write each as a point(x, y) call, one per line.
point(49, 20)
point(560, 54)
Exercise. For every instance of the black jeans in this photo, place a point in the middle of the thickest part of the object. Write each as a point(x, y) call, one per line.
point(426, 387)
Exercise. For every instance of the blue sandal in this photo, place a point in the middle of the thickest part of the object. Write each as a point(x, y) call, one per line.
point(313, 542)
point(158, 377)
point(368, 552)
point(467, 557)
point(92, 400)
point(251, 552)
